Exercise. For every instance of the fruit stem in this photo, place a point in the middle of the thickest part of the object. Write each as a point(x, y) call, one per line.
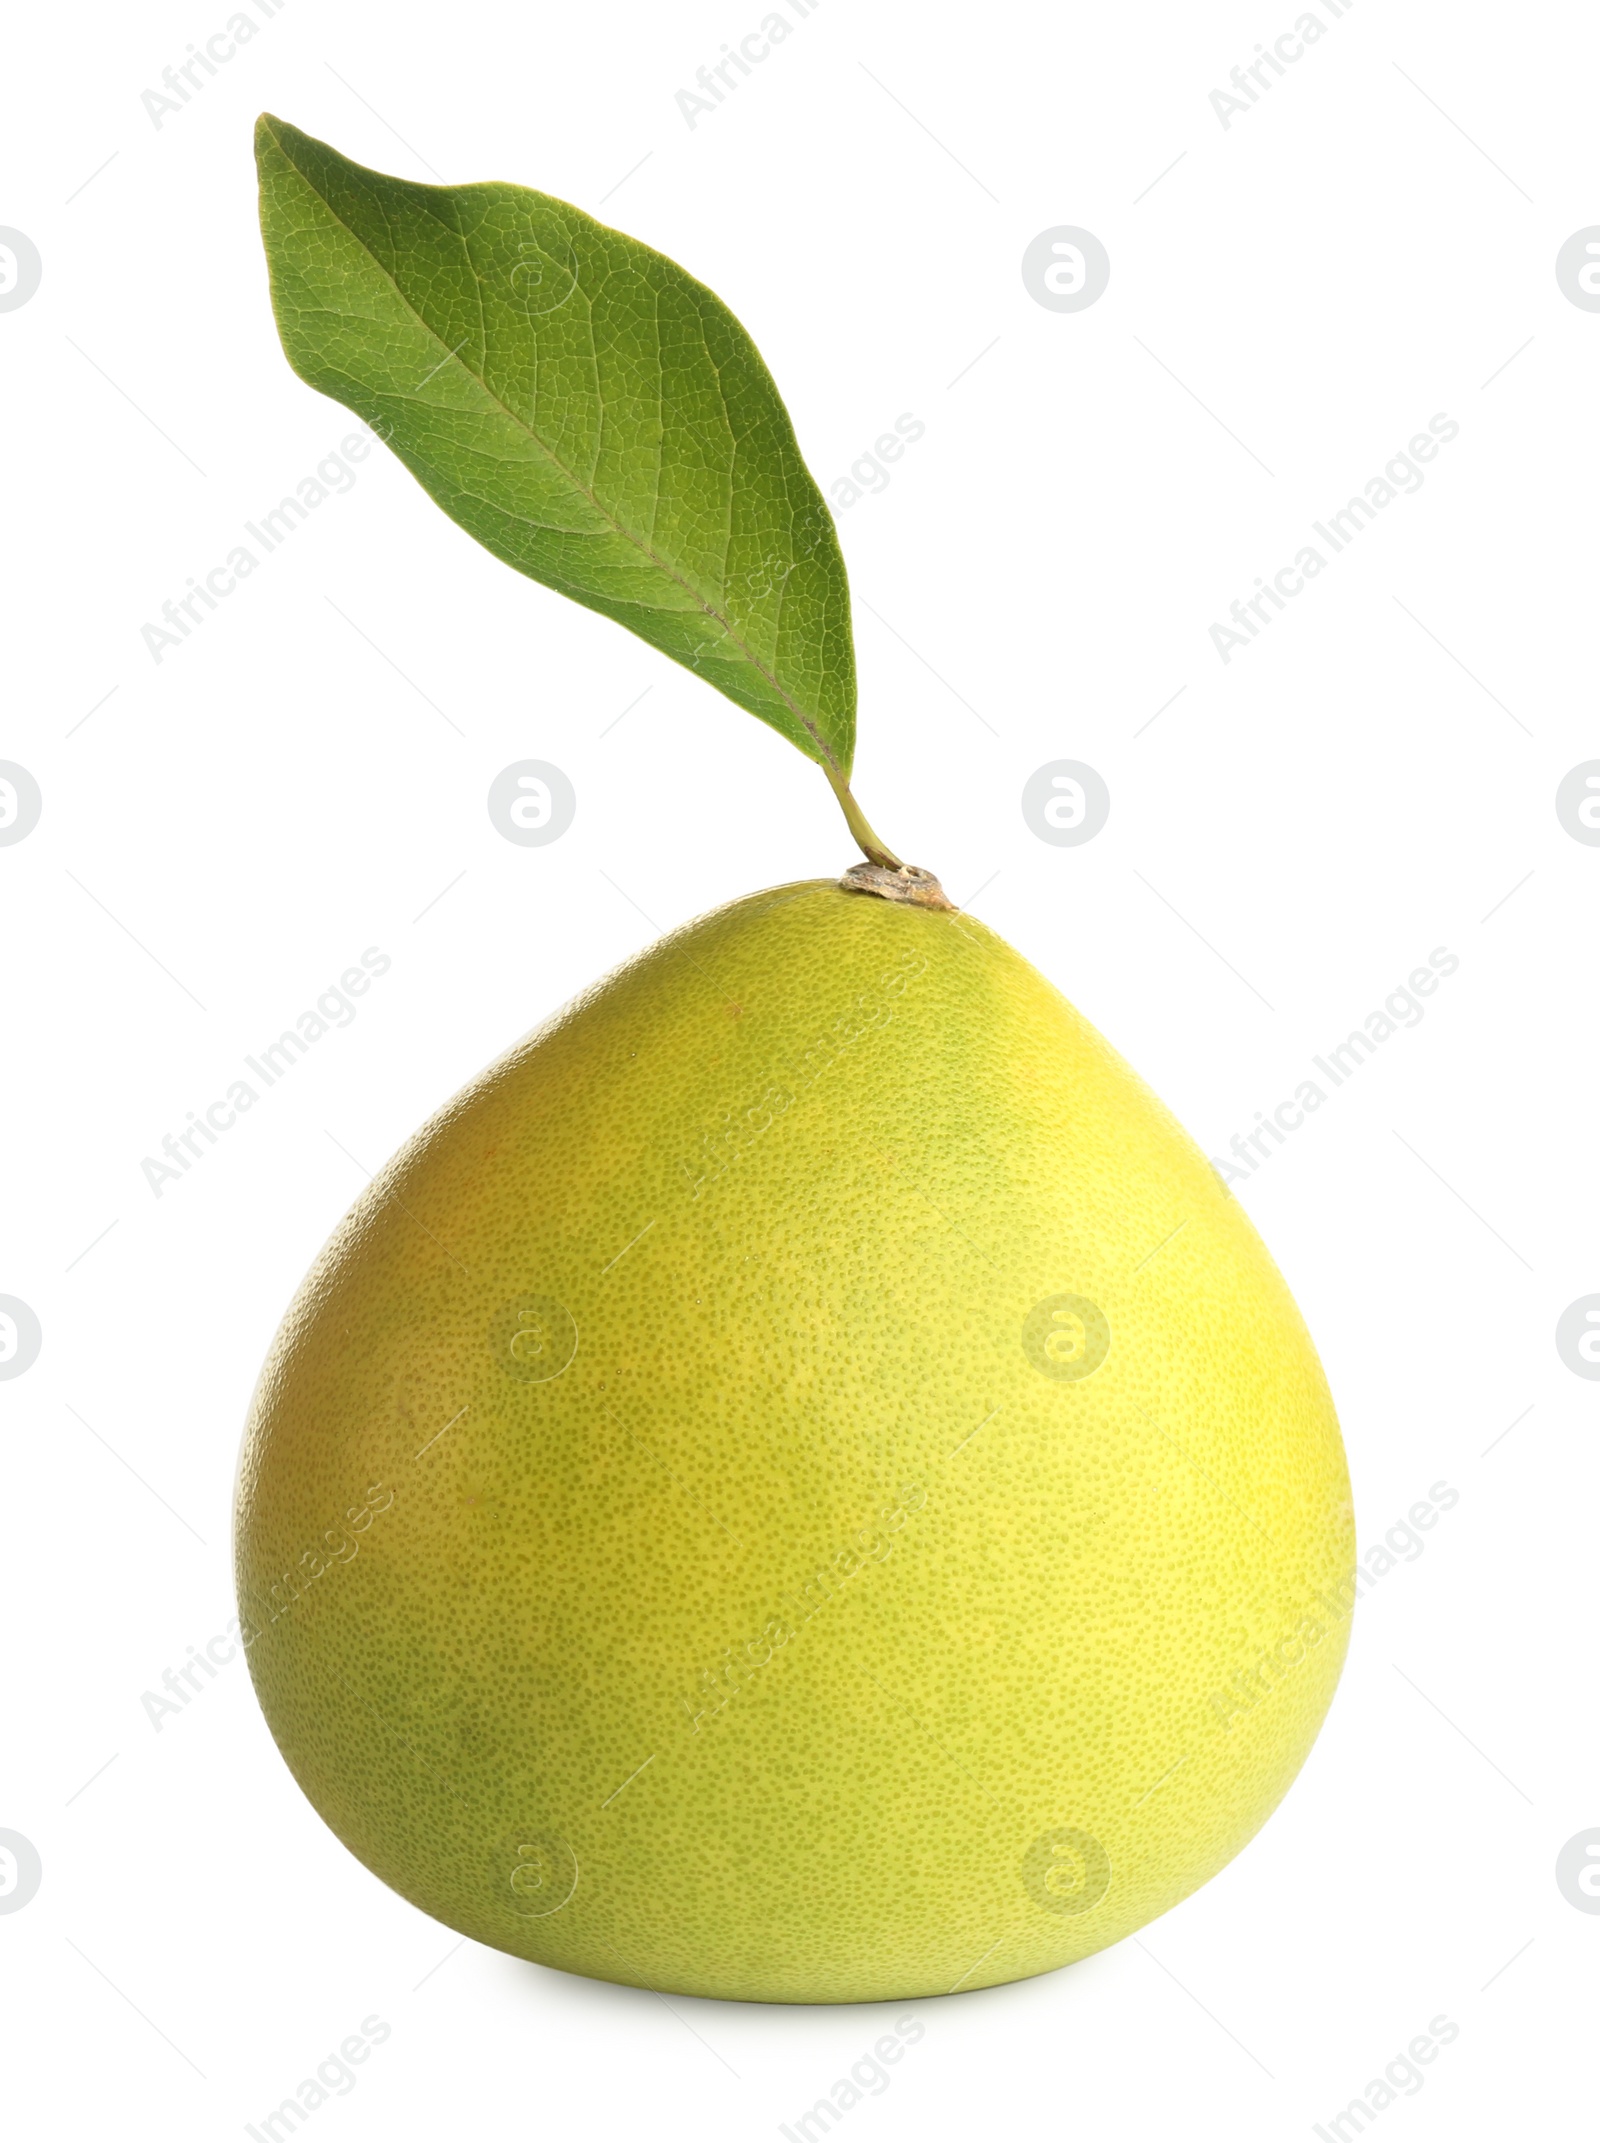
point(856, 819)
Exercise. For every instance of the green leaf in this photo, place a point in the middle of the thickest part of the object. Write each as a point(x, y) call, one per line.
point(585, 409)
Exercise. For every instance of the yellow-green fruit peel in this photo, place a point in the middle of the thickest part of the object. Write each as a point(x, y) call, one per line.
point(800, 1484)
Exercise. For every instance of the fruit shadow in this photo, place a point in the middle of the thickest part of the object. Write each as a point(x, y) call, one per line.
point(574, 1993)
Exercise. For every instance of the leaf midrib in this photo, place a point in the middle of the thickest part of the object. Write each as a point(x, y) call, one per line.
point(645, 549)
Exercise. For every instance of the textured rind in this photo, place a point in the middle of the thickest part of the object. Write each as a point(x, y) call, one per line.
point(1092, 1613)
point(592, 414)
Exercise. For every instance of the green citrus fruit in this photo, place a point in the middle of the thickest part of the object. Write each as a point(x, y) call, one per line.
point(800, 1484)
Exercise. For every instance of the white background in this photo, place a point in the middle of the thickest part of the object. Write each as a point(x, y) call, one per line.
point(1373, 777)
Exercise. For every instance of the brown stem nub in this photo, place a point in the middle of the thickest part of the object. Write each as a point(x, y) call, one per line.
point(914, 887)
point(883, 873)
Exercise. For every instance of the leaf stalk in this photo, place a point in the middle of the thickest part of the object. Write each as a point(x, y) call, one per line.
point(875, 850)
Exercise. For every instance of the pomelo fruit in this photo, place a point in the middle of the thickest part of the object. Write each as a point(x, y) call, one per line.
point(800, 1484)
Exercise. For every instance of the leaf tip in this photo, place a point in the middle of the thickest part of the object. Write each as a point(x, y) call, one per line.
point(275, 136)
